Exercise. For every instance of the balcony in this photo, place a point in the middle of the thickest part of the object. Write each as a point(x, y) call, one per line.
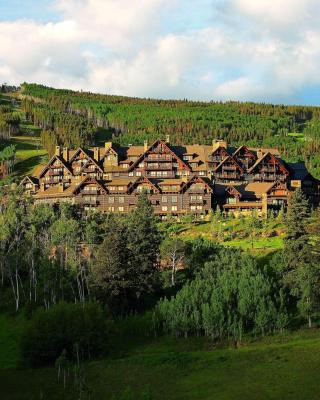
point(158, 167)
point(159, 157)
point(89, 169)
point(90, 191)
point(216, 159)
point(226, 176)
point(51, 181)
point(92, 202)
point(196, 201)
point(55, 173)
point(229, 168)
point(268, 169)
point(170, 175)
point(269, 177)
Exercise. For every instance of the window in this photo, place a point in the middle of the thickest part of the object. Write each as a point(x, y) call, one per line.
point(131, 173)
point(110, 208)
point(121, 209)
point(202, 173)
point(138, 173)
point(174, 199)
point(164, 199)
point(199, 207)
point(141, 165)
point(111, 199)
point(174, 208)
point(125, 165)
point(120, 188)
point(193, 198)
point(121, 199)
point(164, 208)
point(193, 208)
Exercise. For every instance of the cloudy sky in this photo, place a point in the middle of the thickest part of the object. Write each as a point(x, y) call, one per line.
point(259, 50)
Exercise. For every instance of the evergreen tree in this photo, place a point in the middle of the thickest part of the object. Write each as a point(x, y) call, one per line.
point(301, 273)
point(143, 244)
point(111, 274)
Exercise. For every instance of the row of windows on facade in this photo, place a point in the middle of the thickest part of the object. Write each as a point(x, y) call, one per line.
point(164, 199)
point(163, 208)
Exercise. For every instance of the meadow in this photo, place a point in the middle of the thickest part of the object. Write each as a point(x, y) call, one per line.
point(283, 366)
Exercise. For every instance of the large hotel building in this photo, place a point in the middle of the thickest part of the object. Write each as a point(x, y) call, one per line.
point(178, 179)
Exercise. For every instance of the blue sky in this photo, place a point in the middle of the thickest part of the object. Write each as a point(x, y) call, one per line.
point(266, 50)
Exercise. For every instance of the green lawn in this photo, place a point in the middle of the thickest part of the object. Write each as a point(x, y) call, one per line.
point(29, 154)
point(279, 367)
point(235, 234)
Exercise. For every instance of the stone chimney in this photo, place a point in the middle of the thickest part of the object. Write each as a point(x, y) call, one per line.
point(96, 153)
point(107, 145)
point(60, 187)
point(259, 153)
point(42, 186)
point(145, 145)
point(216, 143)
point(57, 151)
point(168, 139)
point(66, 154)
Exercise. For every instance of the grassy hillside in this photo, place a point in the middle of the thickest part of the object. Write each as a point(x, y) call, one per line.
point(279, 367)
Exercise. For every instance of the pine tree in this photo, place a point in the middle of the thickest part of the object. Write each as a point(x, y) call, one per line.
point(143, 244)
point(302, 274)
point(297, 248)
point(111, 274)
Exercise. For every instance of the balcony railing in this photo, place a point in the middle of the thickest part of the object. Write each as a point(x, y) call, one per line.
point(269, 177)
point(55, 173)
point(196, 201)
point(229, 168)
point(226, 176)
point(160, 167)
point(90, 191)
point(159, 157)
point(268, 169)
point(169, 175)
point(92, 202)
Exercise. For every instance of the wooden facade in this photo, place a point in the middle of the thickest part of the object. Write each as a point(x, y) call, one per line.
point(178, 179)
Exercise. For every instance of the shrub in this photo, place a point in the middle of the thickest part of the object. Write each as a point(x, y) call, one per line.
point(80, 330)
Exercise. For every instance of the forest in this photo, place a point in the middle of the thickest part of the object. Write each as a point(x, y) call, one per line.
point(9, 125)
point(74, 118)
point(89, 271)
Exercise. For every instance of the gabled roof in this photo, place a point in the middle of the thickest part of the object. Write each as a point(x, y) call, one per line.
point(31, 179)
point(55, 157)
point(234, 190)
point(144, 179)
point(80, 149)
point(275, 159)
point(87, 181)
point(154, 144)
point(229, 158)
point(224, 149)
point(243, 148)
point(197, 179)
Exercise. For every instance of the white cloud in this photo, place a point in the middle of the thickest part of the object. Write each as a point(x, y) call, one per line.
point(265, 50)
